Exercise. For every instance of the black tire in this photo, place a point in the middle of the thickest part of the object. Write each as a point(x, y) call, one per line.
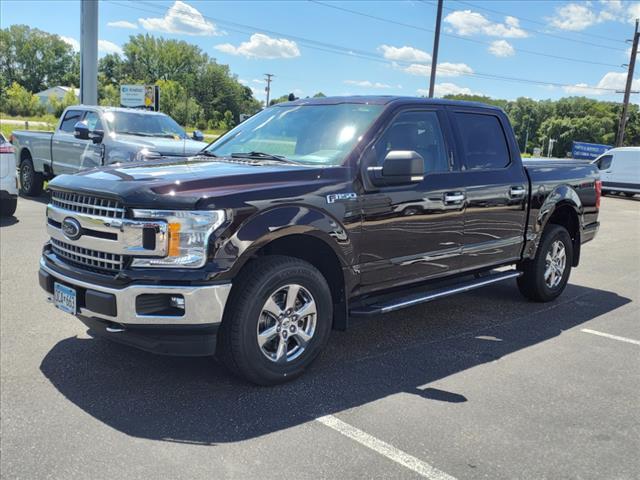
point(628, 194)
point(31, 182)
point(532, 283)
point(8, 207)
point(238, 337)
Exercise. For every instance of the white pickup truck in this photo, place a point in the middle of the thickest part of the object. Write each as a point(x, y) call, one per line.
point(90, 136)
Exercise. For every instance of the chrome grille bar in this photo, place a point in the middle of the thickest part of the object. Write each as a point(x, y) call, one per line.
point(86, 257)
point(89, 204)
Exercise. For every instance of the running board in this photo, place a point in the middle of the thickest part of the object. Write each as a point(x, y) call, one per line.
point(430, 295)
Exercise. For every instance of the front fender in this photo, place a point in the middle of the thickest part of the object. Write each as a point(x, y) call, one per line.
point(278, 222)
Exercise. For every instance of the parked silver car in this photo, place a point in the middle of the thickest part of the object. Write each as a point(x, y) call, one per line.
point(90, 136)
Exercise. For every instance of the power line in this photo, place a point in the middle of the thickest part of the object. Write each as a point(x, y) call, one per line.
point(336, 49)
point(466, 39)
point(537, 22)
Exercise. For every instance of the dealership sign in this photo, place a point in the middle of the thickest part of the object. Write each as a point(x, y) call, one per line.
point(139, 96)
point(588, 151)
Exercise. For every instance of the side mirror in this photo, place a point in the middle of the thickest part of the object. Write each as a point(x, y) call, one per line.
point(197, 136)
point(400, 167)
point(96, 136)
point(81, 131)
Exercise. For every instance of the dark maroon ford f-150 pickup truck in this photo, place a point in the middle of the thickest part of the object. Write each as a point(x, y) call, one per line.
point(307, 214)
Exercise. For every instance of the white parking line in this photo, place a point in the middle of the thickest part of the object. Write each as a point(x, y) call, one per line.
point(613, 337)
point(383, 448)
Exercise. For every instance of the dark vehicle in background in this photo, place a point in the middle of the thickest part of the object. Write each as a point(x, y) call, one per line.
point(307, 214)
point(89, 136)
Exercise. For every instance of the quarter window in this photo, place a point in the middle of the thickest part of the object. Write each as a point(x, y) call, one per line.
point(417, 131)
point(70, 119)
point(483, 140)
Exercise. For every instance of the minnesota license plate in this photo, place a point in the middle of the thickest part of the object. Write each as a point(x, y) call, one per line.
point(64, 298)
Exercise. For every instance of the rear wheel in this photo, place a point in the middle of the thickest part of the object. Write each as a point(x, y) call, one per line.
point(31, 182)
point(8, 207)
point(545, 277)
point(277, 321)
point(628, 194)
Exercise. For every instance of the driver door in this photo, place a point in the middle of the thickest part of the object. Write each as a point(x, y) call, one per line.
point(413, 232)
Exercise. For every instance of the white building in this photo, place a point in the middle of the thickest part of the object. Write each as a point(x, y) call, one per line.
point(58, 92)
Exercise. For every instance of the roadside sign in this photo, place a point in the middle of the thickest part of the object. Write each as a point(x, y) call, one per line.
point(139, 96)
point(588, 151)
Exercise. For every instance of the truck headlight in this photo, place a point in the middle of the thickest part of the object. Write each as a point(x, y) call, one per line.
point(188, 236)
point(146, 154)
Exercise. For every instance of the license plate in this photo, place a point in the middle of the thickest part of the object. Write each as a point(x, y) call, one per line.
point(64, 298)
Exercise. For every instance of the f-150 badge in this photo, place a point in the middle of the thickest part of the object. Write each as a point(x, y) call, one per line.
point(341, 196)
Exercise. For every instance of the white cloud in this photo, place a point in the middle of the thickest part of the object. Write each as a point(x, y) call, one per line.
point(404, 54)
point(466, 22)
point(445, 69)
point(262, 46)
point(105, 46)
point(501, 48)
point(181, 18)
point(75, 44)
point(574, 17)
point(634, 12)
point(367, 84)
point(610, 81)
point(442, 89)
point(122, 24)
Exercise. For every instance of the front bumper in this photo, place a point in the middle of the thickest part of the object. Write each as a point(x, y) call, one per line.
point(114, 312)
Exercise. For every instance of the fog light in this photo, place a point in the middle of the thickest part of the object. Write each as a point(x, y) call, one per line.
point(177, 301)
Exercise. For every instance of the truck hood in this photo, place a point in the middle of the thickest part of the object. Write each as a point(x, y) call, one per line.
point(198, 182)
point(165, 146)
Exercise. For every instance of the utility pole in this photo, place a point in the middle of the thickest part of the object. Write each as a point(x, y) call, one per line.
point(268, 77)
point(627, 90)
point(89, 52)
point(526, 138)
point(436, 44)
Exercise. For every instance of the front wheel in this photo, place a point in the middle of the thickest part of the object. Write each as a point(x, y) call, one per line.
point(31, 182)
point(545, 277)
point(277, 320)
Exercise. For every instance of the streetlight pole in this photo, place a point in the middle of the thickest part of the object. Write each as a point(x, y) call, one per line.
point(89, 52)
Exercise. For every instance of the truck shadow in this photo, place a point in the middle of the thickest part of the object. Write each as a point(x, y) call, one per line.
point(196, 401)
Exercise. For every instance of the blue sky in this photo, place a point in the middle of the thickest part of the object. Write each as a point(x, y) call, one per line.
point(324, 46)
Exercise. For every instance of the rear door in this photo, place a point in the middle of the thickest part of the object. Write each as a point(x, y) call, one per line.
point(412, 232)
point(65, 148)
point(496, 187)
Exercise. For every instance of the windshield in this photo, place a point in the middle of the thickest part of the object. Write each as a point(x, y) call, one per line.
point(309, 134)
point(144, 124)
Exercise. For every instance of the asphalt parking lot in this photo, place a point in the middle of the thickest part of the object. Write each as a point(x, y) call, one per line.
point(482, 385)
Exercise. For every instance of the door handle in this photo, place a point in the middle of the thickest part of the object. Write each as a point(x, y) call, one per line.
point(456, 197)
point(517, 191)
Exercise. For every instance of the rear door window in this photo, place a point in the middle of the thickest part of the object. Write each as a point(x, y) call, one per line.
point(483, 140)
point(70, 119)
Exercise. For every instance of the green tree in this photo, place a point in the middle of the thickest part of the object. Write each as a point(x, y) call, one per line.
point(109, 95)
point(19, 101)
point(58, 105)
point(175, 102)
point(36, 59)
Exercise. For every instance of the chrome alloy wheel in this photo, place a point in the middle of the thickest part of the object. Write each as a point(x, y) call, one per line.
point(287, 323)
point(26, 176)
point(555, 264)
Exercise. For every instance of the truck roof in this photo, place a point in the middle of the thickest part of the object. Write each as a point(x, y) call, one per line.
point(384, 100)
point(115, 109)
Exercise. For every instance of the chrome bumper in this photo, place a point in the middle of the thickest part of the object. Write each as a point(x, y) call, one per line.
point(202, 304)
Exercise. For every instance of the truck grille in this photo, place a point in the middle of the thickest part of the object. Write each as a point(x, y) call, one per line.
point(86, 258)
point(76, 202)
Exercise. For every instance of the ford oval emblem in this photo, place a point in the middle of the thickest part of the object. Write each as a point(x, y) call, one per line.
point(71, 228)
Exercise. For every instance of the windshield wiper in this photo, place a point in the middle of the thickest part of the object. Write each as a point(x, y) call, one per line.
point(207, 153)
point(139, 134)
point(262, 156)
